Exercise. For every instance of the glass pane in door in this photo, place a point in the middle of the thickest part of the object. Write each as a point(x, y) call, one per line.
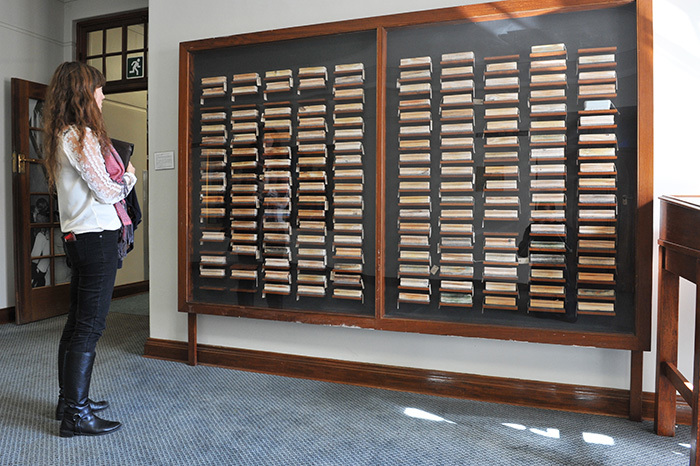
point(114, 68)
point(62, 271)
point(60, 266)
point(37, 178)
point(114, 40)
point(134, 37)
point(36, 107)
point(39, 208)
point(54, 209)
point(58, 249)
point(96, 63)
point(94, 43)
point(35, 128)
point(36, 138)
point(40, 260)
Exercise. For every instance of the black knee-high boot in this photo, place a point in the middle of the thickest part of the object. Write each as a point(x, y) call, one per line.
point(78, 418)
point(94, 405)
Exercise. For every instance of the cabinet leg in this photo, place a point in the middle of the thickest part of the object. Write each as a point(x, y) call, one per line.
point(695, 423)
point(192, 339)
point(666, 349)
point(637, 365)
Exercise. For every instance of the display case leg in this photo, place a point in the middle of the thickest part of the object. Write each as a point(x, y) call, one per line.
point(637, 366)
point(192, 339)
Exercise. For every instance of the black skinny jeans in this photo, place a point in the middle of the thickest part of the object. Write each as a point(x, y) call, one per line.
point(92, 258)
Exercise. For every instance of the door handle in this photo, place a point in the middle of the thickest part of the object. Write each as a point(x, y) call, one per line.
point(19, 161)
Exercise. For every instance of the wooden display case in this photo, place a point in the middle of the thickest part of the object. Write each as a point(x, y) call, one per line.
point(480, 171)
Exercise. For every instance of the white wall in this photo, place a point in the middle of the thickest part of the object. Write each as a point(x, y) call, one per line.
point(677, 32)
point(676, 154)
point(32, 37)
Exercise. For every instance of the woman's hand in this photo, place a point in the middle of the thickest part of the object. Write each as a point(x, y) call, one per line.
point(130, 168)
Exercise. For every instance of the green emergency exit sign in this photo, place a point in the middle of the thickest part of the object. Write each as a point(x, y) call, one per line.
point(134, 67)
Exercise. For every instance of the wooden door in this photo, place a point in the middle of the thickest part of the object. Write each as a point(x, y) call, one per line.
point(41, 275)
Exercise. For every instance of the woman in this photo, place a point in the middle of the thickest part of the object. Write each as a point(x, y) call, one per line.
point(91, 183)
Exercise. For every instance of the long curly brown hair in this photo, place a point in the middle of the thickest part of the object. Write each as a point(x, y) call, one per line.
point(70, 101)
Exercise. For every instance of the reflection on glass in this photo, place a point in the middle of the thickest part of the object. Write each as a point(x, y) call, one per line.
point(41, 247)
point(114, 68)
point(58, 242)
point(54, 201)
point(134, 37)
point(39, 211)
point(96, 63)
point(94, 43)
point(37, 178)
point(114, 40)
point(35, 124)
point(35, 110)
point(36, 138)
point(62, 271)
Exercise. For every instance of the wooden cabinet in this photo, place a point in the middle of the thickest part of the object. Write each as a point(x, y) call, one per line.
point(679, 256)
point(478, 171)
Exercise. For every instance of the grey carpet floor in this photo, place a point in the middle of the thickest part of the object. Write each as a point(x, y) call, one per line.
point(136, 304)
point(174, 414)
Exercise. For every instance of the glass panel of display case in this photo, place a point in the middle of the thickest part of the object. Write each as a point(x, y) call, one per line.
point(540, 116)
point(283, 204)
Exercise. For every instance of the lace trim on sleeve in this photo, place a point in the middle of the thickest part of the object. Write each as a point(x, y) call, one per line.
point(91, 166)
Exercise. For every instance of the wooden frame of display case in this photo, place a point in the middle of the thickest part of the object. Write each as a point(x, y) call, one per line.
point(636, 340)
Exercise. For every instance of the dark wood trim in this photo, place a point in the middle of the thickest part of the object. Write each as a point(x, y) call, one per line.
point(502, 332)
point(7, 315)
point(130, 289)
point(683, 411)
point(192, 346)
point(546, 395)
point(114, 20)
point(122, 20)
point(21, 231)
point(667, 321)
point(645, 173)
point(185, 109)
point(636, 381)
point(678, 380)
point(132, 85)
point(380, 216)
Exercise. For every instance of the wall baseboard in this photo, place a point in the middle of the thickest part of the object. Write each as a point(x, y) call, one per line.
point(7, 315)
point(563, 397)
point(130, 289)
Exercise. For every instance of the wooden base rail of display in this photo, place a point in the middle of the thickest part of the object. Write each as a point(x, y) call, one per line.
point(546, 395)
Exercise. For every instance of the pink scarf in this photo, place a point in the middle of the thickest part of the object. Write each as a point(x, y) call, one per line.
point(115, 168)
